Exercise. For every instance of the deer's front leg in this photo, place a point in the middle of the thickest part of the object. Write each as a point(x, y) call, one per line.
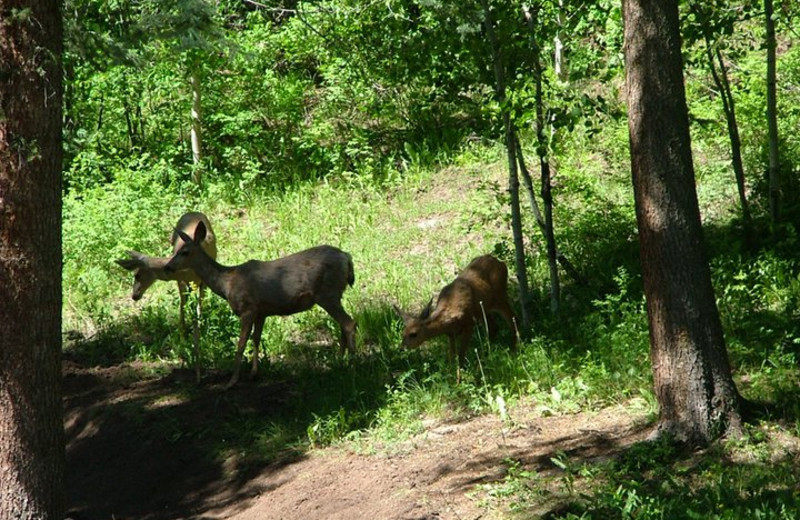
point(463, 343)
point(244, 333)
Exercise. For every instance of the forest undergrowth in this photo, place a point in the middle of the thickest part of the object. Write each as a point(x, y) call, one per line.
point(409, 235)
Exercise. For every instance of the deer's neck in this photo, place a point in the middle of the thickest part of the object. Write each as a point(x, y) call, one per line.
point(157, 264)
point(214, 275)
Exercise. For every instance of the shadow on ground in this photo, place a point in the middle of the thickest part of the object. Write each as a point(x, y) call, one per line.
point(144, 445)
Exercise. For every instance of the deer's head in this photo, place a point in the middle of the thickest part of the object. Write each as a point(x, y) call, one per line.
point(415, 327)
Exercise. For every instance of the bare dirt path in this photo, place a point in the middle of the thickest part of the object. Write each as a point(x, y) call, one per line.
point(123, 462)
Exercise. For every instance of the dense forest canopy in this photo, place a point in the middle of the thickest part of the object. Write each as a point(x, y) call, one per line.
point(313, 89)
point(293, 91)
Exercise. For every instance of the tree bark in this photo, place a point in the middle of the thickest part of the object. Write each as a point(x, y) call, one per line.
point(513, 174)
point(729, 108)
point(559, 62)
point(693, 385)
point(31, 427)
point(544, 166)
point(563, 261)
point(196, 134)
point(774, 175)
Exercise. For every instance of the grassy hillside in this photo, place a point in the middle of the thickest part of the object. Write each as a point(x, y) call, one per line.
point(409, 236)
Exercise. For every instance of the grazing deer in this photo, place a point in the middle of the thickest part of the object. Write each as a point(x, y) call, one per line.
point(478, 290)
point(148, 269)
point(288, 285)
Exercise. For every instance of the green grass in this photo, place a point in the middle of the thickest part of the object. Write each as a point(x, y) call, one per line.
point(754, 477)
point(408, 238)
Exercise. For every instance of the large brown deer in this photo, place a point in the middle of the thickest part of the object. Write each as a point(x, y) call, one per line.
point(480, 289)
point(147, 269)
point(255, 289)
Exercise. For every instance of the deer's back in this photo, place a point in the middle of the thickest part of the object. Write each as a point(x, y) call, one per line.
point(487, 278)
point(290, 284)
point(476, 289)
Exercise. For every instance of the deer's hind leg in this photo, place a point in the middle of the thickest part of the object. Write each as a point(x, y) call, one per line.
point(258, 326)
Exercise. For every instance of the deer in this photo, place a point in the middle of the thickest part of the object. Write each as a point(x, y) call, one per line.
point(147, 269)
point(258, 289)
point(477, 291)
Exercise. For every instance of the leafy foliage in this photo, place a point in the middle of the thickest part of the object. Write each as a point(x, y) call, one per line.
point(372, 126)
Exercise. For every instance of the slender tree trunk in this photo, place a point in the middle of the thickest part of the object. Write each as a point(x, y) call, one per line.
point(513, 176)
point(528, 180)
point(563, 261)
point(196, 137)
point(31, 426)
point(544, 165)
point(560, 63)
point(697, 397)
point(132, 141)
point(774, 174)
point(100, 111)
point(729, 108)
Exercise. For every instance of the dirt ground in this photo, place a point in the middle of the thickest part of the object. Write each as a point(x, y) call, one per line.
point(121, 465)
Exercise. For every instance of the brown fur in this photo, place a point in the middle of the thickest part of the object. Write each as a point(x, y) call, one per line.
point(480, 289)
point(256, 289)
point(148, 269)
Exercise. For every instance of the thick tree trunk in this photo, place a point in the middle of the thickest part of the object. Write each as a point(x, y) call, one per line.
point(513, 174)
point(31, 426)
point(696, 394)
point(772, 117)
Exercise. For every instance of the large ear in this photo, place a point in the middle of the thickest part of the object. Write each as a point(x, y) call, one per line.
point(133, 263)
point(186, 238)
point(127, 264)
point(426, 312)
point(200, 232)
point(403, 315)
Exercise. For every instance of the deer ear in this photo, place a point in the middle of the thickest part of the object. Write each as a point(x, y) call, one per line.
point(200, 232)
point(128, 264)
point(131, 264)
point(403, 315)
point(183, 236)
point(426, 312)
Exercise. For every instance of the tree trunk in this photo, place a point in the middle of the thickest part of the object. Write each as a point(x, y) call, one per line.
point(772, 118)
point(559, 62)
point(31, 427)
point(544, 165)
point(196, 137)
point(729, 108)
point(537, 215)
point(697, 397)
point(513, 176)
